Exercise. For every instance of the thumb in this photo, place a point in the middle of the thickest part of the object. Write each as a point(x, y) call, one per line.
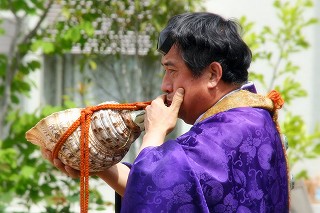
point(177, 99)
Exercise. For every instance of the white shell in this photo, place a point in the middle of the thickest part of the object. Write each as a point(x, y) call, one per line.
point(110, 135)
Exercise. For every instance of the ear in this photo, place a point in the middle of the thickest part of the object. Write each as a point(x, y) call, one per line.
point(215, 72)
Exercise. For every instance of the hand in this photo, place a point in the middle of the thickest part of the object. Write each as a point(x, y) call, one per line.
point(47, 154)
point(160, 119)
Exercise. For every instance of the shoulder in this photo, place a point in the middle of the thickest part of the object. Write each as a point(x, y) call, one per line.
point(237, 131)
point(243, 114)
point(234, 122)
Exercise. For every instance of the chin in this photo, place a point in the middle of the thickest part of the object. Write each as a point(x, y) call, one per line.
point(186, 119)
point(189, 122)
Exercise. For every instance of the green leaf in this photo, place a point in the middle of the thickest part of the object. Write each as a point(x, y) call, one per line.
point(317, 149)
point(2, 31)
point(267, 30)
point(47, 110)
point(47, 47)
point(33, 65)
point(88, 28)
point(27, 171)
point(6, 197)
point(23, 86)
point(69, 104)
point(73, 34)
point(14, 99)
point(257, 77)
point(277, 4)
point(93, 65)
point(8, 159)
point(301, 175)
point(311, 22)
point(3, 64)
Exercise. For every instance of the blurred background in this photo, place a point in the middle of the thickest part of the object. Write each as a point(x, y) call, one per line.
point(59, 54)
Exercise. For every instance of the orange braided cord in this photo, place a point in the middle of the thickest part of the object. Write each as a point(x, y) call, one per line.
point(84, 122)
point(64, 137)
point(278, 102)
point(276, 99)
point(130, 106)
point(84, 159)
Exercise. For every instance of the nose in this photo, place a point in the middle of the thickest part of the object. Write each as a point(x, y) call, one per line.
point(166, 85)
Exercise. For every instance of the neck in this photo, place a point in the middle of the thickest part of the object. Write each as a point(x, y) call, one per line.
point(223, 90)
point(219, 93)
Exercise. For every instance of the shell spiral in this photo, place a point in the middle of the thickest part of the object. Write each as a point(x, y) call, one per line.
point(111, 134)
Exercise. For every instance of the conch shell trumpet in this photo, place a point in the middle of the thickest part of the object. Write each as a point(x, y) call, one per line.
point(111, 133)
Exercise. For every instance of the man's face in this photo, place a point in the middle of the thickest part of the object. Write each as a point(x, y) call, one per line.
point(178, 75)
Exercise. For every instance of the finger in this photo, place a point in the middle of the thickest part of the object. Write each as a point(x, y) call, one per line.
point(72, 172)
point(161, 98)
point(177, 99)
point(47, 154)
point(57, 163)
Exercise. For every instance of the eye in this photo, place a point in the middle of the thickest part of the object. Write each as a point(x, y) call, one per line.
point(171, 72)
point(168, 72)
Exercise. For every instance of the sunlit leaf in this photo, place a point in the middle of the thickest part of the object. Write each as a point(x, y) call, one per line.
point(27, 172)
point(317, 149)
point(302, 175)
point(93, 65)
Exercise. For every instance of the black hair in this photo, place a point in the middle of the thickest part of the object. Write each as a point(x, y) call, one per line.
point(203, 38)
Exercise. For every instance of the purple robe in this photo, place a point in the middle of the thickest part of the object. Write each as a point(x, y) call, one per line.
point(230, 162)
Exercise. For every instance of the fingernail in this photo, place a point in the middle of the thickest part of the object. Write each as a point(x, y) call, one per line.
point(181, 91)
point(68, 169)
point(45, 155)
point(55, 162)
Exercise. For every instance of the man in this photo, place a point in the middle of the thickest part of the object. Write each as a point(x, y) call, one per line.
point(232, 159)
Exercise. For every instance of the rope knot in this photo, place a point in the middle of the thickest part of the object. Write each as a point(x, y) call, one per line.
point(276, 99)
point(87, 111)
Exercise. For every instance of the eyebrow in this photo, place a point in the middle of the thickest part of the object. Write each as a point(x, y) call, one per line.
point(167, 63)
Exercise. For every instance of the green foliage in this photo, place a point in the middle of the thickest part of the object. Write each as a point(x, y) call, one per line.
point(302, 145)
point(26, 175)
point(275, 46)
point(79, 19)
point(15, 66)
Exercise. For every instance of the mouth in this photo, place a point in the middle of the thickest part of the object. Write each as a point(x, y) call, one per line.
point(168, 101)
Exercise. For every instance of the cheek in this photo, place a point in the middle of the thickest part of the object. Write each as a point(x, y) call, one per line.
point(187, 103)
point(186, 110)
point(178, 84)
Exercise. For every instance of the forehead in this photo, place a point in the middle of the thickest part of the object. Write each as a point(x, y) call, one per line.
point(172, 58)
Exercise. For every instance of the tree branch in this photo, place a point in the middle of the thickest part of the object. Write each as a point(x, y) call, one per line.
point(10, 73)
point(14, 59)
point(32, 33)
